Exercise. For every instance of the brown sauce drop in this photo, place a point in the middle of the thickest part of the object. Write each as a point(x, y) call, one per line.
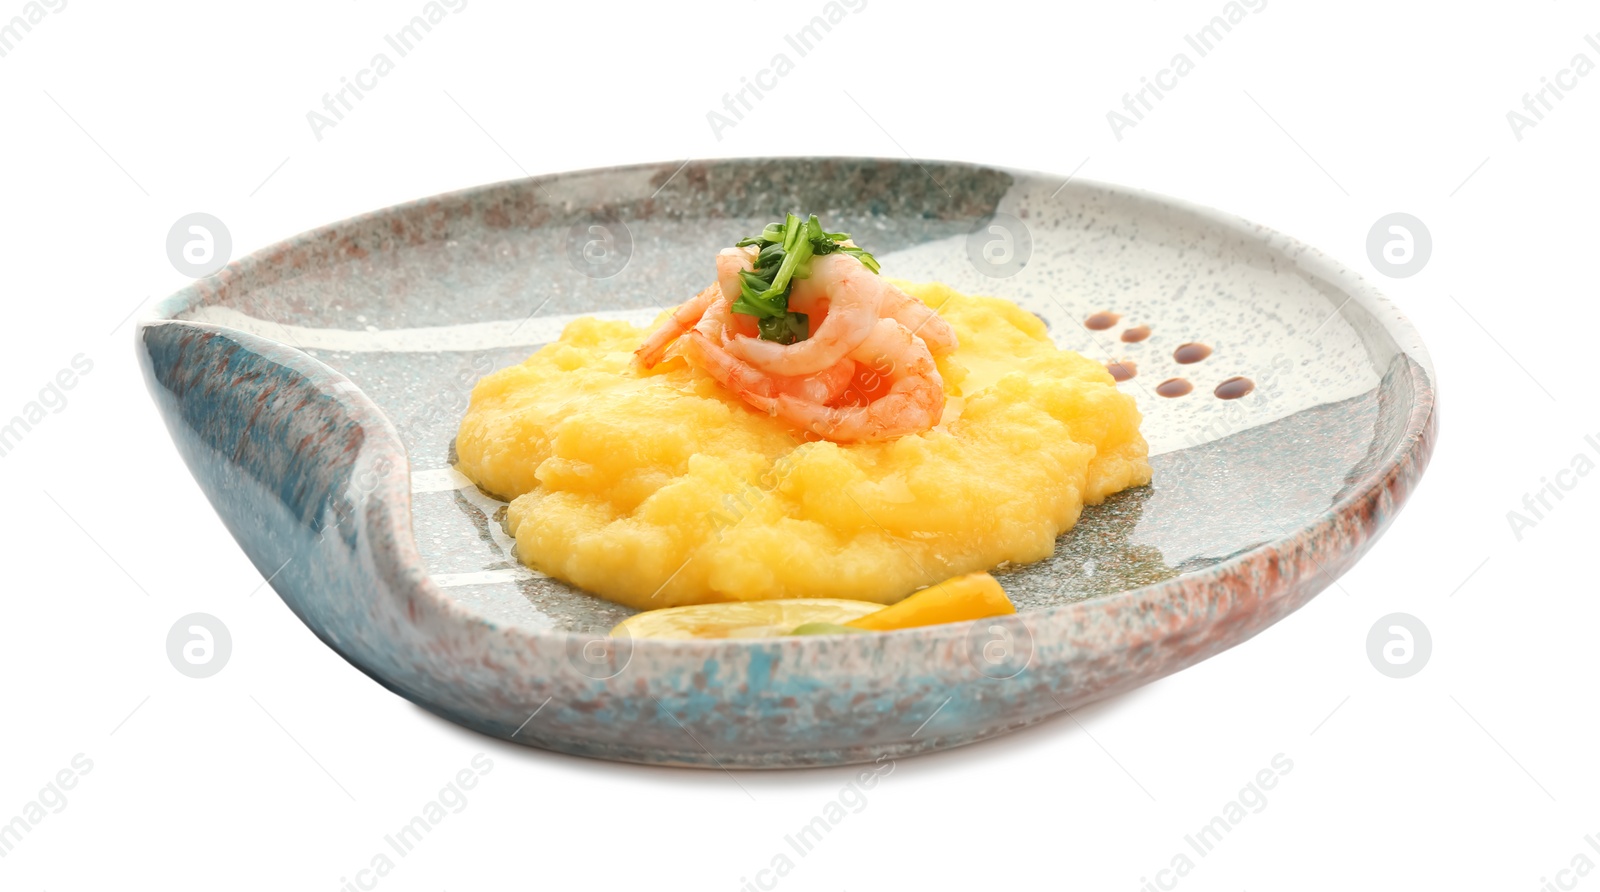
point(1122, 369)
point(1187, 353)
point(1101, 321)
point(1233, 388)
point(1174, 387)
point(1136, 334)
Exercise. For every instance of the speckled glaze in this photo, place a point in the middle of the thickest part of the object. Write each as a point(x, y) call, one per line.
point(313, 389)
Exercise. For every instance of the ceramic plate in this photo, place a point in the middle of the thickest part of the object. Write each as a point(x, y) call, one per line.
point(314, 389)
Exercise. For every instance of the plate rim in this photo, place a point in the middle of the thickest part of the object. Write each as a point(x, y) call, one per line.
point(1355, 520)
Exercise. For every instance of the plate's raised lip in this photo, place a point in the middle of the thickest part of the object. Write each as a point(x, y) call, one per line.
point(1412, 454)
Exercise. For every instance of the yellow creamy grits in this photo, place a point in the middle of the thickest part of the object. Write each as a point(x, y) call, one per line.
point(660, 488)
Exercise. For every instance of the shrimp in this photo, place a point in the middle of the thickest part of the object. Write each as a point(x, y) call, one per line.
point(682, 319)
point(730, 262)
point(920, 318)
point(846, 294)
point(702, 346)
point(913, 403)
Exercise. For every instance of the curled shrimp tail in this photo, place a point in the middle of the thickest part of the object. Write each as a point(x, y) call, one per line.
point(730, 262)
point(921, 319)
point(913, 403)
point(702, 347)
point(682, 319)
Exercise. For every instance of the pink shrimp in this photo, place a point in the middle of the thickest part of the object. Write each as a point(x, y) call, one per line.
point(682, 319)
point(920, 318)
point(703, 349)
point(913, 403)
point(845, 294)
point(730, 262)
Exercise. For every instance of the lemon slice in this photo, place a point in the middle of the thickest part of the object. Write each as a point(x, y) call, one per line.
point(741, 619)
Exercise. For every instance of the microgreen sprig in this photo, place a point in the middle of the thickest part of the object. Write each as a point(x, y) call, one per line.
point(785, 254)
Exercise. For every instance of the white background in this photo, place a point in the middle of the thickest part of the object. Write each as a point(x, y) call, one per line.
point(287, 768)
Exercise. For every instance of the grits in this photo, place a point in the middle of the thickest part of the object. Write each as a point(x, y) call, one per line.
point(657, 489)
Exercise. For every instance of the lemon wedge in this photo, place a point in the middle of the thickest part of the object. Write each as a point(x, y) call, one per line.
point(741, 619)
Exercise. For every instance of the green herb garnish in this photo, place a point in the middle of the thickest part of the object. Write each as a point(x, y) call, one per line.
point(785, 329)
point(786, 252)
